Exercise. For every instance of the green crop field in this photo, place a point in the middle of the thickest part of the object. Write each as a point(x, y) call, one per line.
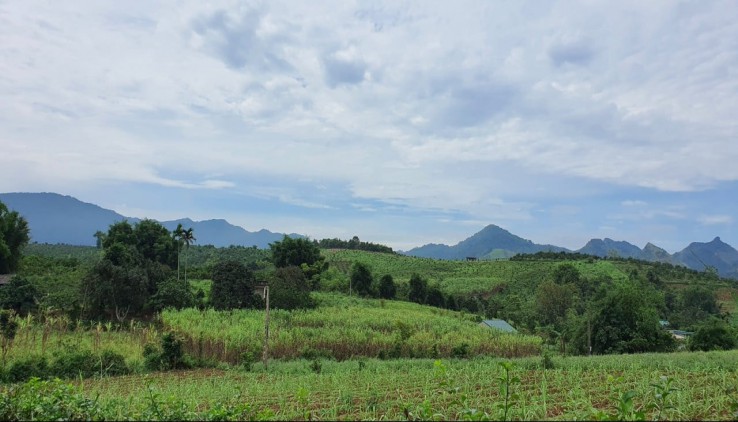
point(342, 327)
point(678, 386)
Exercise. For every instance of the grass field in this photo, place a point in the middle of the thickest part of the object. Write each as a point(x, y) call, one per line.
point(344, 327)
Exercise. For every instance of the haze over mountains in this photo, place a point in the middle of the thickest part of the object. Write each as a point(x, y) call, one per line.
point(55, 218)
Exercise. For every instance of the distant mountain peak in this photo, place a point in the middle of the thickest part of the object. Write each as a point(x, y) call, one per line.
point(56, 218)
point(490, 242)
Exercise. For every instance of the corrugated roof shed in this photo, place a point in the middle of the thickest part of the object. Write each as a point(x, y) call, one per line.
point(499, 324)
point(5, 278)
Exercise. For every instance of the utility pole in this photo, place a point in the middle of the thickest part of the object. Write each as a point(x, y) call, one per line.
point(265, 354)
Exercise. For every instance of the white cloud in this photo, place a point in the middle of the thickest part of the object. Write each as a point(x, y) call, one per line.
point(710, 220)
point(478, 108)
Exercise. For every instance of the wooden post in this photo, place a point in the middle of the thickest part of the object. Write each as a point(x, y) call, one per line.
point(265, 354)
point(589, 334)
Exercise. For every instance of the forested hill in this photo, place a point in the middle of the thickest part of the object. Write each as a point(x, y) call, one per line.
point(55, 218)
point(493, 242)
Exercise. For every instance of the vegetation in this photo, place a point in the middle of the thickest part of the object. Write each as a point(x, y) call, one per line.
point(354, 243)
point(13, 237)
point(681, 386)
point(233, 286)
point(356, 333)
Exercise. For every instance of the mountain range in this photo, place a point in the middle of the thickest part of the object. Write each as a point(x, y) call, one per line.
point(495, 242)
point(55, 218)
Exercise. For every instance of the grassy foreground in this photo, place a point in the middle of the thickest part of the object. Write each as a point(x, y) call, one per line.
point(698, 386)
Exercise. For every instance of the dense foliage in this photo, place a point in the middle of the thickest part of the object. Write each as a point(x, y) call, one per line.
point(354, 243)
point(14, 235)
point(233, 286)
point(294, 252)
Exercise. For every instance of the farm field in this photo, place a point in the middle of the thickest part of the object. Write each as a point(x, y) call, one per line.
point(701, 387)
point(462, 278)
point(342, 327)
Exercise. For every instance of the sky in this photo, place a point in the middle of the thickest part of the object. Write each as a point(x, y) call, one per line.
point(403, 123)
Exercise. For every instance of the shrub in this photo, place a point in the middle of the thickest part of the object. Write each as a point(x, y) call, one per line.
point(74, 364)
point(112, 363)
point(32, 366)
point(169, 356)
point(714, 334)
point(47, 400)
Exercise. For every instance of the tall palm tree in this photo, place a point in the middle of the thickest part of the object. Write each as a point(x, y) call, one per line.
point(177, 235)
point(187, 238)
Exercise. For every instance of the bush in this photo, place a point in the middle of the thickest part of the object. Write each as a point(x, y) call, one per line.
point(21, 370)
point(170, 356)
point(714, 334)
point(47, 400)
point(112, 363)
point(74, 364)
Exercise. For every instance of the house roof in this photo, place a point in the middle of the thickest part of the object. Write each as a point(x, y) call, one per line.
point(498, 324)
point(5, 278)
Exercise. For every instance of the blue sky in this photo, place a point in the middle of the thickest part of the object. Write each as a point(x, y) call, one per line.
point(400, 122)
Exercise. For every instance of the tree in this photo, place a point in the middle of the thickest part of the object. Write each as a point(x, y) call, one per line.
point(694, 305)
point(188, 238)
point(115, 290)
point(233, 286)
point(294, 252)
point(625, 320)
point(552, 301)
point(136, 260)
point(99, 238)
point(154, 242)
point(172, 294)
point(566, 273)
point(177, 237)
point(418, 289)
point(387, 288)
point(14, 235)
point(288, 289)
point(361, 279)
point(714, 334)
point(435, 298)
point(19, 295)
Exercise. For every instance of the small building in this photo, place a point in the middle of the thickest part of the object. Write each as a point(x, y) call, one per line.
point(664, 323)
point(471, 258)
point(260, 289)
point(5, 279)
point(680, 335)
point(498, 324)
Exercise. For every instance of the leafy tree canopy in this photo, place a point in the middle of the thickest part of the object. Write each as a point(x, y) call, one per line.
point(626, 320)
point(418, 289)
point(14, 235)
point(288, 289)
point(714, 334)
point(387, 288)
point(233, 286)
point(361, 279)
point(294, 252)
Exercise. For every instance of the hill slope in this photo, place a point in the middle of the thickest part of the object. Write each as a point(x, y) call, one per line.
point(716, 254)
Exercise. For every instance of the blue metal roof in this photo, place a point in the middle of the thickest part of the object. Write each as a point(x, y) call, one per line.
point(499, 324)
